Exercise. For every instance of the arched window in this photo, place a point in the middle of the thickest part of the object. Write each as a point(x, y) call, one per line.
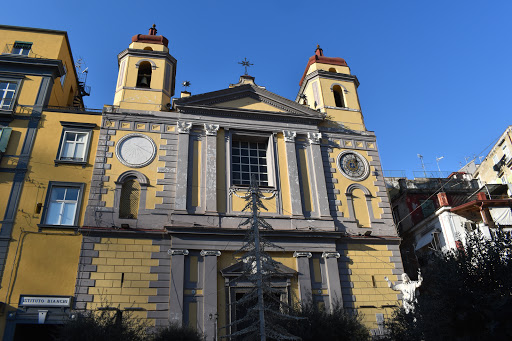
point(332, 70)
point(144, 75)
point(148, 48)
point(129, 201)
point(338, 96)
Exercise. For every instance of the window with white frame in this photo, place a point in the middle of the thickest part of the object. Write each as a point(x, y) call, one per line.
point(22, 48)
point(75, 141)
point(7, 94)
point(63, 77)
point(62, 204)
point(250, 156)
point(73, 146)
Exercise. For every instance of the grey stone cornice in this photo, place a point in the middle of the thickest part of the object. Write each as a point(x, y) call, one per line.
point(244, 113)
point(290, 107)
point(329, 75)
point(146, 54)
point(346, 131)
point(237, 233)
point(32, 66)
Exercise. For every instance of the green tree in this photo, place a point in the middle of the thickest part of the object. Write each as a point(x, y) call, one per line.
point(264, 311)
point(466, 295)
point(175, 332)
point(104, 325)
point(334, 324)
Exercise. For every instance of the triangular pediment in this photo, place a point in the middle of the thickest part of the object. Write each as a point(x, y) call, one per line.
point(247, 99)
point(248, 103)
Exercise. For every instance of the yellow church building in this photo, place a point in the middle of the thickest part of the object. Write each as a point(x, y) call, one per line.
point(137, 206)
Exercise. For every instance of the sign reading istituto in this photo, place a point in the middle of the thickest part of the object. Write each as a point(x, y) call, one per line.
point(45, 301)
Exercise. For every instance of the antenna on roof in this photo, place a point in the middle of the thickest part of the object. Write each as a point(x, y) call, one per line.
point(83, 90)
point(437, 160)
point(422, 164)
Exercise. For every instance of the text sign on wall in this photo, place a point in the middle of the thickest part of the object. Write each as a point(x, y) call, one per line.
point(45, 301)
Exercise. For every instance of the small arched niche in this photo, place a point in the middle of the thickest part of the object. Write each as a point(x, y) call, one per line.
point(359, 202)
point(144, 75)
point(332, 70)
point(339, 98)
point(148, 48)
point(130, 198)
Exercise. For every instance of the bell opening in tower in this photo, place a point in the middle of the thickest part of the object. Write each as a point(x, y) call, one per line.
point(144, 75)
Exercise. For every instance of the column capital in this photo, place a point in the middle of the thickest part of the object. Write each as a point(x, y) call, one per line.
point(184, 127)
point(314, 138)
point(331, 255)
point(175, 252)
point(210, 253)
point(298, 254)
point(289, 136)
point(211, 129)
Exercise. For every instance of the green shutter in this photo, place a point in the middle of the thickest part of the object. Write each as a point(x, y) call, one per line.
point(5, 133)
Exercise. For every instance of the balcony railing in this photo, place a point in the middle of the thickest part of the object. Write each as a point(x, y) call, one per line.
point(8, 49)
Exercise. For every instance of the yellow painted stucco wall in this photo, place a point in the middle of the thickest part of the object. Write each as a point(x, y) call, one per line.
point(123, 275)
point(327, 67)
point(369, 264)
point(15, 145)
point(50, 45)
point(349, 118)
point(129, 97)
point(343, 183)
point(154, 47)
point(238, 203)
point(28, 92)
point(5, 190)
point(117, 168)
point(45, 263)
point(283, 171)
point(62, 94)
point(45, 44)
point(248, 104)
point(196, 166)
point(42, 168)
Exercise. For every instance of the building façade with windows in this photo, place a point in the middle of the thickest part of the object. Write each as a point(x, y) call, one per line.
point(149, 216)
point(47, 147)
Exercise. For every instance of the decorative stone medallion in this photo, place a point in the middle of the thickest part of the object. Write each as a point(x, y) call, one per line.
point(353, 165)
point(136, 150)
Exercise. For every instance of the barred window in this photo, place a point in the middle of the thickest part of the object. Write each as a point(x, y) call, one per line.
point(249, 158)
point(130, 195)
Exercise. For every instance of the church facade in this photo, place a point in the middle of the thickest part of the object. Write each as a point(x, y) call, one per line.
point(159, 217)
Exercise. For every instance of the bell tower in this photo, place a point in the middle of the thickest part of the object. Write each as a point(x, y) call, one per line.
point(147, 74)
point(328, 86)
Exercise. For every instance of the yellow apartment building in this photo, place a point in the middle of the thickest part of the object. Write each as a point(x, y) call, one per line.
point(48, 145)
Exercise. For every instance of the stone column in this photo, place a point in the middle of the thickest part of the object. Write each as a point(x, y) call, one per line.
point(182, 165)
point(293, 173)
point(210, 168)
point(333, 277)
point(210, 293)
point(317, 177)
point(304, 274)
point(176, 307)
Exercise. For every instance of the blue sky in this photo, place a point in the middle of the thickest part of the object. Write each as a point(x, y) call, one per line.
point(435, 76)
